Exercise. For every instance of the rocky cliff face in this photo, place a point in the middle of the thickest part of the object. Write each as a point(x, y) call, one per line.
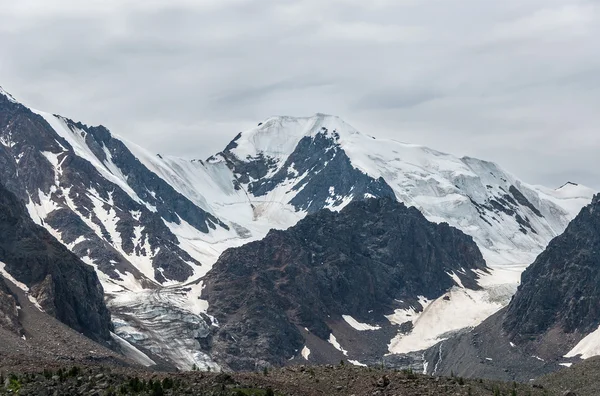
point(55, 278)
point(368, 260)
point(552, 320)
point(9, 312)
point(559, 298)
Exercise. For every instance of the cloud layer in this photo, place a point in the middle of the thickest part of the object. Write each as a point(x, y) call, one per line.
point(513, 81)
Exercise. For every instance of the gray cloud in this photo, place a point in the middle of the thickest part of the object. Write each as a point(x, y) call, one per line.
point(513, 81)
point(395, 99)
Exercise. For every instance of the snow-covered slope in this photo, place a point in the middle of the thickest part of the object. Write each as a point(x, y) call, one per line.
point(271, 176)
point(152, 224)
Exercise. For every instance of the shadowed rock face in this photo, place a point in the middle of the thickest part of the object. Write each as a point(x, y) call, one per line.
point(365, 261)
point(9, 315)
point(63, 285)
point(559, 292)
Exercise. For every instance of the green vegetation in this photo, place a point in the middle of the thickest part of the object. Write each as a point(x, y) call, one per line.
point(14, 385)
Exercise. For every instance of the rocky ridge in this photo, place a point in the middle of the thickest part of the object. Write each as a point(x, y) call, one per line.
point(308, 287)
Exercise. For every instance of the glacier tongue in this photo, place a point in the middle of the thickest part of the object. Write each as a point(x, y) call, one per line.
point(165, 321)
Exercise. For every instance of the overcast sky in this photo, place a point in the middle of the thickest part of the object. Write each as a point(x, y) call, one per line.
point(513, 81)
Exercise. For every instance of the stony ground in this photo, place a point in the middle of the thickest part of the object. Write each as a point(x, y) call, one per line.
point(300, 381)
point(580, 380)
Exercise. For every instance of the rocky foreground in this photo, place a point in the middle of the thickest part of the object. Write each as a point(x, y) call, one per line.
point(298, 380)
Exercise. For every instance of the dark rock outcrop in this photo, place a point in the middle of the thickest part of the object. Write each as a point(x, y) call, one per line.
point(9, 314)
point(558, 301)
point(556, 305)
point(330, 175)
point(63, 285)
point(366, 261)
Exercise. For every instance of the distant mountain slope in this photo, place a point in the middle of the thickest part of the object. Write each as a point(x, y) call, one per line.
point(326, 274)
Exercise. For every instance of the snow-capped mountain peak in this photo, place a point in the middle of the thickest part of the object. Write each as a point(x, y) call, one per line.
point(278, 136)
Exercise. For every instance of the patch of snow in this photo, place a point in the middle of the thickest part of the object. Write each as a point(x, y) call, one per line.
point(356, 325)
point(588, 347)
point(8, 141)
point(411, 314)
point(76, 242)
point(11, 279)
point(465, 308)
point(357, 363)
point(8, 96)
point(566, 364)
point(35, 302)
point(38, 212)
point(305, 352)
point(456, 279)
point(333, 341)
point(20, 285)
